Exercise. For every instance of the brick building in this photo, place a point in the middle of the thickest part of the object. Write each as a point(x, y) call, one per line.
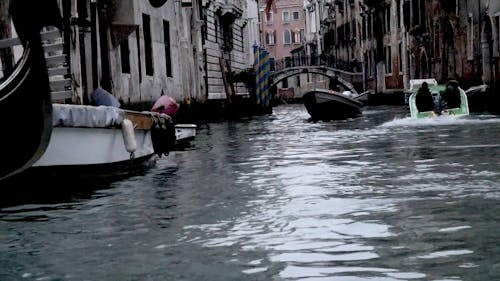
point(282, 31)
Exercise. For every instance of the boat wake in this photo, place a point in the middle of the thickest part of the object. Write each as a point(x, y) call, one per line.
point(443, 120)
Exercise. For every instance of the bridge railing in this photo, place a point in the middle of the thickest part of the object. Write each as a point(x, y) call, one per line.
point(321, 60)
point(350, 72)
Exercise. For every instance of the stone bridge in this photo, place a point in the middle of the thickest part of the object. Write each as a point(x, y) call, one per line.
point(352, 80)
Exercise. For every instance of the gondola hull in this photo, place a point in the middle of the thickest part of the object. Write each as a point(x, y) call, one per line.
point(26, 111)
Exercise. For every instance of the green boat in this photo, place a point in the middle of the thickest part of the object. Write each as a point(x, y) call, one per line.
point(437, 91)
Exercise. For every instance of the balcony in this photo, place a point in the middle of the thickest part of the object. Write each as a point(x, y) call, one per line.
point(122, 19)
point(122, 12)
point(229, 10)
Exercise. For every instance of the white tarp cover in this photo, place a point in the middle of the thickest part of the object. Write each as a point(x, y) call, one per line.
point(72, 115)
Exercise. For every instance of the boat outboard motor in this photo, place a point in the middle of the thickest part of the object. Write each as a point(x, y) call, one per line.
point(163, 134)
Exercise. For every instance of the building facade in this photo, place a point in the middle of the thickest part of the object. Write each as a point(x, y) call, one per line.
point(393, 41)
point(130, 48)
point(225, 36)
point(282, 32)
point(140, 49)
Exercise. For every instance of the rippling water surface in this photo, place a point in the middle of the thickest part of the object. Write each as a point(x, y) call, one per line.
point(380, 197)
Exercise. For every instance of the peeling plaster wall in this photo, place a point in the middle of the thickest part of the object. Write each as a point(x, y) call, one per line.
point(136, 87)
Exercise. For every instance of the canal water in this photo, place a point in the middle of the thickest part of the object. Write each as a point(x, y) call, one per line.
point(379, 197)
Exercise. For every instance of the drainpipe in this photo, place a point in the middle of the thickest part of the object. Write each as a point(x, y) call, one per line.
point(104, 45)
point(74, 55)
point(184, 57)
point(93, 44)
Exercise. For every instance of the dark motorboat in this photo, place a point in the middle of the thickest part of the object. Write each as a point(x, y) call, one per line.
point(327, 105)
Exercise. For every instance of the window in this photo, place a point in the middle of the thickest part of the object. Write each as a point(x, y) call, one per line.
point(272, 64)
point(297, 37)
point(216, 29)
point(166, 42)
point(364, 28)
point(227, 33)
point(398, 12)
point(125, 56)
point(369, 27)
point(387, 22)
point(418, 16)
point(496, 22)
point(284, 83)
point(287, 37)
point(286, 16)
point(415, 12)
point(388, 60)
point(406, 14)
point(422, 14)
point(400, 57)
point(269, 17)
point(470, 38)
point(148, 46)
point(372, 63)
point(271, 37)
point(295, 15)
point(353, 30)
point(242, 38)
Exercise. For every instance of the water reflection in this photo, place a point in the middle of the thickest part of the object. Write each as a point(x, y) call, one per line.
point(323, 211)
point(379, 197)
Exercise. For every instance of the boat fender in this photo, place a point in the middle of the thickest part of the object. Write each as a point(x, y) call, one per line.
point(129, 137)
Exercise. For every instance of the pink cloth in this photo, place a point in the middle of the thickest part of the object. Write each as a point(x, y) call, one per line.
point(165, 104)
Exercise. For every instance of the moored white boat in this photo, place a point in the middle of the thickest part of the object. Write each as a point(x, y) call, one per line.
point(94, 141)
point(45, 138)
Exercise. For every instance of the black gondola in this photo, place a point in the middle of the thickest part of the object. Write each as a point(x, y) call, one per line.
point(25, 97)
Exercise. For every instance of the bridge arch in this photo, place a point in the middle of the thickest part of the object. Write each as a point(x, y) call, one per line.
point(326, 71)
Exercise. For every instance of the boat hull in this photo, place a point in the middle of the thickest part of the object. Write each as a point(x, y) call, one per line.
point(88, 142)
point(25, 105)
point(326, 105)
point(92, 146)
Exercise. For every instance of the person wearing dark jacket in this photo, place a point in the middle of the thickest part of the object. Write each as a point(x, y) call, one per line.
point(424, 100)
point(451, 96)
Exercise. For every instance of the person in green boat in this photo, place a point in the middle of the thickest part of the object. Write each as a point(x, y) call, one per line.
point(451, 96)
point(424, 100)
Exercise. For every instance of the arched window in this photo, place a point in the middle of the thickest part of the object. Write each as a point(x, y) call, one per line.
point(287, 37)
